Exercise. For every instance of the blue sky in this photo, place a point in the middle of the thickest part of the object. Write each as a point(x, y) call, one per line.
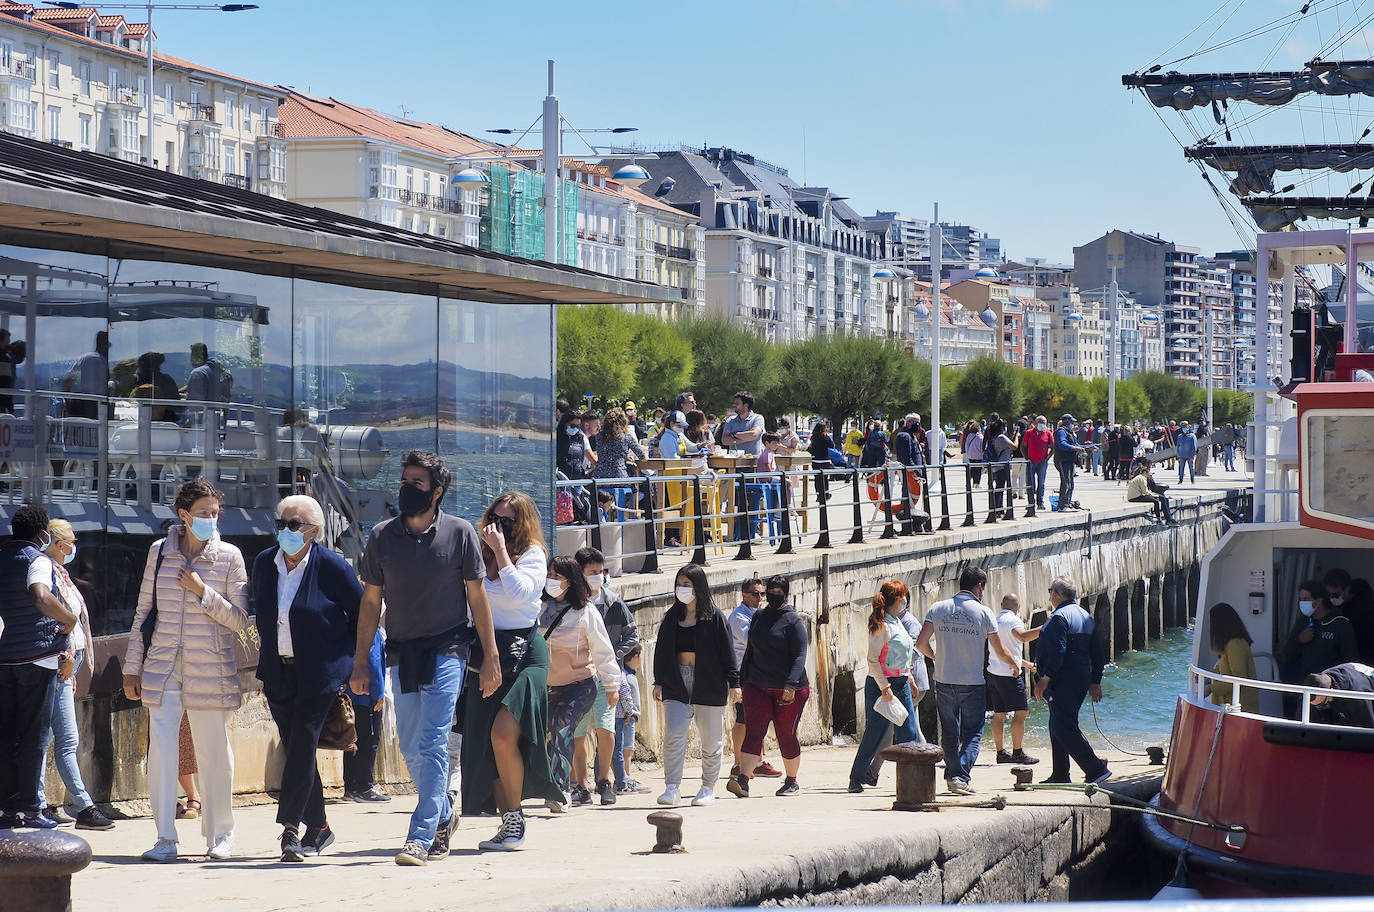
point(1010, 113)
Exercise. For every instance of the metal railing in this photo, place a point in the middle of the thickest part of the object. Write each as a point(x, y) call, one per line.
point(1198, 679)
point(203, 112)
point(703, 511)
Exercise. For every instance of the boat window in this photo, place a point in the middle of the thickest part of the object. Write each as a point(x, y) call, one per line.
point(1337, 480)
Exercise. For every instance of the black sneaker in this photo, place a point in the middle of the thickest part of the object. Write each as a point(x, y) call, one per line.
point(738, 786)
point(1021, 756)
point(1004, 757)
point(855, 788)
point(54, 812)
point(580, 796)
point(317, 840)
point(291, 849)
point(92, 819)
point(10, 821)
point(371, 795)
point(789, 788)
point(509, 836)
point(438, 849)
point(606, 793)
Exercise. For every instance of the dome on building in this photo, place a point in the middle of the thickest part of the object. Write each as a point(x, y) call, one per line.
point(987, 272)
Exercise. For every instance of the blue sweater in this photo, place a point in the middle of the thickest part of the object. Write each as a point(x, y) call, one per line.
point(1070, 653)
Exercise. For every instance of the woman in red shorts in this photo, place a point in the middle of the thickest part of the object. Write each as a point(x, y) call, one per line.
point(775, 686)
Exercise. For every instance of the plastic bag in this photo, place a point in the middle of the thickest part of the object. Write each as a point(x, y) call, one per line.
point(893, 710)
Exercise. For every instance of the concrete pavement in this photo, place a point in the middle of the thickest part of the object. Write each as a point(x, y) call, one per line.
point(590, 858)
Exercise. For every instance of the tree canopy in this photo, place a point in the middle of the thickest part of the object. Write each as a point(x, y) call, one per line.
point(729, 358)
point(845, 376)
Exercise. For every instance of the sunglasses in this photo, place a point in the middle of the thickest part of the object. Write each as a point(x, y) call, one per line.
point(295, 525)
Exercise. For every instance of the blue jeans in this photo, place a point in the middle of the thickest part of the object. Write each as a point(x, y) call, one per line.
point(63, 733)
point(423, 721)
point(1229, 452)
point(1066, 738)
point(876, 725)
point(962, 709)
point(1186, 464)
point(1035, 482)
point(624, 740)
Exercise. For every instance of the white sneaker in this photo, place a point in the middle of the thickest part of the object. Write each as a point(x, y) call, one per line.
point(558, 807)
point(165, 850)
point(704, 797)
point(510, 836)
point(670, 797)
point(222, 849)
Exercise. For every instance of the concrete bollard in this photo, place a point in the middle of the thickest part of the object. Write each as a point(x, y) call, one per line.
point(1156, 755)
point(36, 869)
point(915, 774)
point(668, 825)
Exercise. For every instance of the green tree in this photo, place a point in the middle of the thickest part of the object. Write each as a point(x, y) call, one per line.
point(729, 358)
point(593, 342)
point(1231, 407)
point(1170, 397)
point(662, 358)
point(845, 376)
point(987, 385)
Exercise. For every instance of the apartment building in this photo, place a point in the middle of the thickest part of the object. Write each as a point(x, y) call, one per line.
point(792, 261)
point(987, 292)
point(79, 79)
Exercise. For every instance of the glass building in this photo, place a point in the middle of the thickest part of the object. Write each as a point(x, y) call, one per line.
point(149, 343)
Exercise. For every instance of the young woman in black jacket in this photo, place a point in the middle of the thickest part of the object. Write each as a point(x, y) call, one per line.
point(694, 677)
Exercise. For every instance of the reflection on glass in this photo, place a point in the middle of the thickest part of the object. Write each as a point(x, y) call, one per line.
point(495, 401)
point(365, 376)
point(1338, 474)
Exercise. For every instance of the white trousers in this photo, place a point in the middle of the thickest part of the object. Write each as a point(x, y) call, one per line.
point(710, 722)
point(210, 732)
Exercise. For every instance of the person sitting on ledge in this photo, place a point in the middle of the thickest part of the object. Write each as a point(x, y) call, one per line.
point(1143, 489)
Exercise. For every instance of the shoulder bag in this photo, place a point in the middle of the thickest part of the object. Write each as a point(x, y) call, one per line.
point(340, 730)
point(150, 622)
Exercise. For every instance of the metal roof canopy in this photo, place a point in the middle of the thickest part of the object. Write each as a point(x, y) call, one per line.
point(55, 191)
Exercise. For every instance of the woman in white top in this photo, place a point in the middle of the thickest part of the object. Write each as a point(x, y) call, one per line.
point(580, 653)
point(63, 729)
point(891, 653)
point(504, 734)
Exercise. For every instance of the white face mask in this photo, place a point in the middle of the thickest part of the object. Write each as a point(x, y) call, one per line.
point(1335, 600)
point(595, 581)
point(685, 594)
point(1306, 608)
point(555, 587)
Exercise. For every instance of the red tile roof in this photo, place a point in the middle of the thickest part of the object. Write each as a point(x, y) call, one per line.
point(59, 14)
point(109, 22)
point(10, 8)
point(136, 29)
point(305, 116)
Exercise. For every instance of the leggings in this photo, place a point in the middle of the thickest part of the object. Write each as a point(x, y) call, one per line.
point(763, 705)
point(568, 703)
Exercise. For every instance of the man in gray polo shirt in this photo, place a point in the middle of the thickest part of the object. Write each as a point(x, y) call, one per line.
point(427, 566)
point(745, 430)
point(961, 625)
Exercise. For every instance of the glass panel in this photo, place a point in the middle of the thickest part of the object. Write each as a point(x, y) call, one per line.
point(1337, 471)
point(365, 378)
point(52, 305)
point(200, 378)
point(496, 402)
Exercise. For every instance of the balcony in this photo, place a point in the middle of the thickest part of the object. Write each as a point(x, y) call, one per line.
point(203, 113)
point(668, 250)
point(810, 275)
point(241, 181)
point(19, 68)
point(763, 313)
point(765, 273)
point(891, 299)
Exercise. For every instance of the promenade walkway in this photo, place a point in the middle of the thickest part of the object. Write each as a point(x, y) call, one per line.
point(597, 858)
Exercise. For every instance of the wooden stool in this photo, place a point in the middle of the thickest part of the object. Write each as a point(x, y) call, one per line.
point(36, 869)
point(669, 827)
point(915, 774)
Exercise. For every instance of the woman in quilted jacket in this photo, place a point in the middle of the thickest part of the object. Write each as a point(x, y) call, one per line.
point(194, 602)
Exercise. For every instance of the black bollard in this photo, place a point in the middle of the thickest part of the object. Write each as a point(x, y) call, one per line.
point(969, 521)
point(646, 501)
point(944, 500)
point(36, 869)
point(858, 535)
point(823, 539)
point(667, 832)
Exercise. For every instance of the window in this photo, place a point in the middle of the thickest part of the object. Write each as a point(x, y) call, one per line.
point(129, 133)
point(231, 154)
point(279, 164)
point(6, 54)
point(230, 115)
point(83, 72)
point(85, 134)
point(54, 74)
point(142, 88)
point(169, 96)
point(20, 118)
point(195, 95)
point(113, 83)
point(54, 124)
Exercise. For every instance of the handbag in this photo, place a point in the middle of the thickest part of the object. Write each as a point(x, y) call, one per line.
point(150, 622)
point(512, 646)
point(340, 730)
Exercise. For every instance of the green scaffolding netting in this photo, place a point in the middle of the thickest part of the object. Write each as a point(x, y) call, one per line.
point(512, 220)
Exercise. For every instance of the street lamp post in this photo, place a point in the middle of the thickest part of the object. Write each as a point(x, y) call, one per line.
point(148, 44)
point(935, 434)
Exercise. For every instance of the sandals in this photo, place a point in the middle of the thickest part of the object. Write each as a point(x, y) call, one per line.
point(188, 811)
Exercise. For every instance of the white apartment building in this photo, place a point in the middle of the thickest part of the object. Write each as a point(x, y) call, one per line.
point(1077, 337)
point(79, 79)
point(792, 261)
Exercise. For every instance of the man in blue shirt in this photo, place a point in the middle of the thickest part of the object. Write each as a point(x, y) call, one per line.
point(1066, 451)
point(1186, 442)
point(1070, 661)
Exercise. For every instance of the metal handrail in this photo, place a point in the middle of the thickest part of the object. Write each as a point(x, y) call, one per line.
point(1196, 677)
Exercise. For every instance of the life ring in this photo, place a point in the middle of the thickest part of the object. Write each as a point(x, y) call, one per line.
point(875, 487)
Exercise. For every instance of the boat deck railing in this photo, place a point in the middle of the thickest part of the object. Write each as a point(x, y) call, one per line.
point(1199, 678)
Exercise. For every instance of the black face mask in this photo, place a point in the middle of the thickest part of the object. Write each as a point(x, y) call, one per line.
point(412, 501)
point(776, 599)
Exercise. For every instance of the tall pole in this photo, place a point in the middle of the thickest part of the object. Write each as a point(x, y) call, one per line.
point(148, 94)
point(1207, 315)
point(937, 242)
point(1113, 354)
point(553, 132)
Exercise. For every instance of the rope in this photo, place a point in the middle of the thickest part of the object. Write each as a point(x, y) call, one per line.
point(1118, 747)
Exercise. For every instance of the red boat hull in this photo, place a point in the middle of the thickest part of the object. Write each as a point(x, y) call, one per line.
point(1306, 810)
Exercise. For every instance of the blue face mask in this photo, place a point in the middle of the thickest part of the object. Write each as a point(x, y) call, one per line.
point(291, 542)
point(203, 527)
point(573, 431)
point(71, 556)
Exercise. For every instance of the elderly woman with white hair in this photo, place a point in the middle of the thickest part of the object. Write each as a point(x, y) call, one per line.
point(305, 598)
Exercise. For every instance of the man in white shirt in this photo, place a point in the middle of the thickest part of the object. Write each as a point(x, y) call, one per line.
point(1006, 687)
